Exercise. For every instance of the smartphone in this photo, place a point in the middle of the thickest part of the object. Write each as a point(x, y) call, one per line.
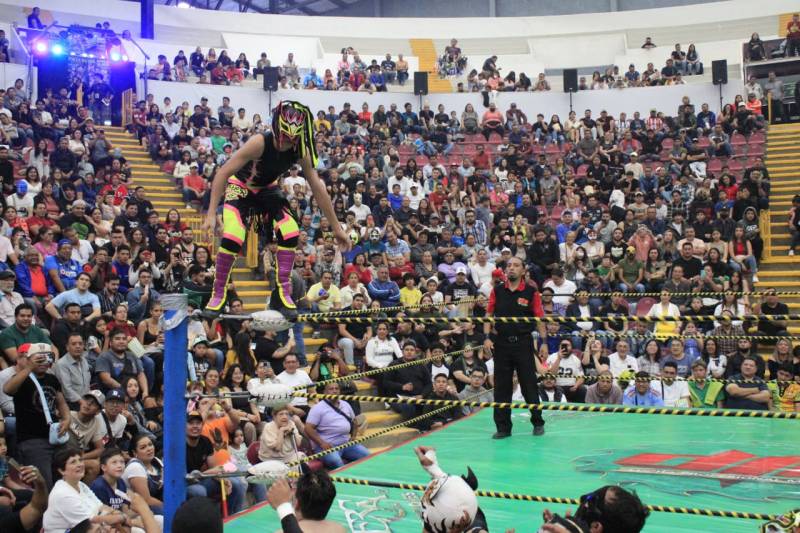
point(15, 472)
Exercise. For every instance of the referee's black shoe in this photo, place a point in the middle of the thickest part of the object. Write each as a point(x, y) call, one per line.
point(501, 435)
point(538, 431)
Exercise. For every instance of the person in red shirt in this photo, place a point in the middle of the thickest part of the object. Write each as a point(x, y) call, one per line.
point(793, 36)
point(512, 344)
point(39, 219)
point(438, 196)
point(492, 121)
point(481, 158)
point(120, 191)
point(753, 104)
point(194, 186)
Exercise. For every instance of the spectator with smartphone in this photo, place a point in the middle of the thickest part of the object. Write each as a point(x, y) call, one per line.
point(27, 387)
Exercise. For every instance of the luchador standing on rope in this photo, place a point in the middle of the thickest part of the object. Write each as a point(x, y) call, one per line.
point(250, 181)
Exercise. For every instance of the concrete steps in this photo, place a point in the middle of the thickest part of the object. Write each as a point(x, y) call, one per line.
point(779, 270)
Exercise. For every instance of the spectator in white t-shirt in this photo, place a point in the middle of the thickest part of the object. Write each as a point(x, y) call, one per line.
point(674, 393)
point(382, 349)
point(569, 371)
point(359, 209)
point(621, 361)
point(560, 286)
point(293, 376)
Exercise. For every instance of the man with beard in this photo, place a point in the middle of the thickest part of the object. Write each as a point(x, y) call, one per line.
point(512, 345)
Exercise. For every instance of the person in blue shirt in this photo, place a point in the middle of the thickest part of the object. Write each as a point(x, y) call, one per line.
point(106, 486)
point(383, 289)
point(396, 197)
point(80, 295)
point(410, 120)
point(565, 227)
point(640, 394)
point(122, 266)
point(312, 77)
point(62, 270)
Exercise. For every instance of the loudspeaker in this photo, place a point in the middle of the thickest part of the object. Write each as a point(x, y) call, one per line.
point(570, 80)
point(271, 78)
point(420, 83)
point(719, 71)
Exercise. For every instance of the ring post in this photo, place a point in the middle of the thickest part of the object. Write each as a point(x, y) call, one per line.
point(175, 376)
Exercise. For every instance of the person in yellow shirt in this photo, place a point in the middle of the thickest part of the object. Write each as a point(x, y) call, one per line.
point(786, 391)
point(324, 296)
point(410, 295)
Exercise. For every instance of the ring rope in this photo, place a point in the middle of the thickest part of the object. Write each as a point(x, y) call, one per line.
point(547, 319)
point(196, 476)
point(395, 309)
point(380, 432)
point(663, 337)
point(547, 406)
point(556, 500)
point(660, 378)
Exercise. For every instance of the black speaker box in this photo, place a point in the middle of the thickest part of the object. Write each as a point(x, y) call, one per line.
point(719, 71)
point(271, 79)
point(570, 80)
point(420, 83)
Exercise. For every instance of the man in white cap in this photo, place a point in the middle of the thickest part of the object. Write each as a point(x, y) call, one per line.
point(33, 429)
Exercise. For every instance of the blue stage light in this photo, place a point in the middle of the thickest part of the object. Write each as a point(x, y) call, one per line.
point(57, 49)
point(115, 56)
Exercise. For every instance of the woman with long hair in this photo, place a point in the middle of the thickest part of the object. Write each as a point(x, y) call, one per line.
point(144, 473)
point(245, 357)
point(212, 383)
point(360, 267)
point(781, 355)
point(46, 244)
point(649, 361)
point(665, 308)
point(174, 226)
point(134, 405)
point(755, 48)
point(120, 321)
point(740, 251)
point(716, 360)
point(250, 419)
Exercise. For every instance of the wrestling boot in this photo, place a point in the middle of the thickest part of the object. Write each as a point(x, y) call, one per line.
point(219, 295)
point(281, 297)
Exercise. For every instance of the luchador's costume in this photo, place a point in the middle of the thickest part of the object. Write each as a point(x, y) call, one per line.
point(253, 196)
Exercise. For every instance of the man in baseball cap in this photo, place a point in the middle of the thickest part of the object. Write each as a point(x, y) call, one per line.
point(33, 427)
point(89, 431)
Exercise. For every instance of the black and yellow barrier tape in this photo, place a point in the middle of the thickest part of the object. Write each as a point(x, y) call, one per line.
point(583, 408)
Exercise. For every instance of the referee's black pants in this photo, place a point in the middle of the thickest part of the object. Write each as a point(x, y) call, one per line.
point(509, 356)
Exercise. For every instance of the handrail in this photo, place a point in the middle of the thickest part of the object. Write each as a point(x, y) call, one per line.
point(766, 232)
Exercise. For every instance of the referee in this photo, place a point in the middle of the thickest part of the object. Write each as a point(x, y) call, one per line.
point(512, 345)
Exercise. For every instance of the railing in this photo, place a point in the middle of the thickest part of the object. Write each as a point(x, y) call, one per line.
point(127, 102)
point(766, 232)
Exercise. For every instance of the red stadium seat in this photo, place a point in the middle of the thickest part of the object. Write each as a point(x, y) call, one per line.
point(644, 305)
point(714, 165)
point(755, 150)
point(757, 138)
point(738, 138)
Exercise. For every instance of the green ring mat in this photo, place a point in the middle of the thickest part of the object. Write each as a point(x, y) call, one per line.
point(731, 464)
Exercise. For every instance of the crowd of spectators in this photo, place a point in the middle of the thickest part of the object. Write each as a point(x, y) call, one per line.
point(350, 74)
point(435, 204)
